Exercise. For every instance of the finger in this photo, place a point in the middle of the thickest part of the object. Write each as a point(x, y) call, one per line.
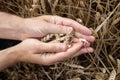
point(48, 59)
point(57, 29)
point(76, 40)
point(65, 55)
point(78, 27)
point(88, 38)
point(84, 50)
point(68, 22)
point(50, 47)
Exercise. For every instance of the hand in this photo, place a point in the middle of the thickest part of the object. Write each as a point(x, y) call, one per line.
point(21, 28)
point(34, 51)
point(41, 26)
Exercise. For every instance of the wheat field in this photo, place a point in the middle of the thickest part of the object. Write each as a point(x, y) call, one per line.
point(101, 16)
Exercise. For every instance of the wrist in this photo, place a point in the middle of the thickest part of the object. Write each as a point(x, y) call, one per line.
point(11, 26)
point(23, 28)
point(8, 57)
point(18, 25)
point(11, 54)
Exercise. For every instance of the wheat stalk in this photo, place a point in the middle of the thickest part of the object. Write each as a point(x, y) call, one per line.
point(100, 26)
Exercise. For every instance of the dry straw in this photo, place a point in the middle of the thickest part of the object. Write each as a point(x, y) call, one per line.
point(102, 16)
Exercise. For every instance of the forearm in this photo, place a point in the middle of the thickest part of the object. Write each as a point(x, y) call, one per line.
point(8, 57)
point(11, 26)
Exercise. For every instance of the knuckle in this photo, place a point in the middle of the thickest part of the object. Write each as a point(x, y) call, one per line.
point(53, 19)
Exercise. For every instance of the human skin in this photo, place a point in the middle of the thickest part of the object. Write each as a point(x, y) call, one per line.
point(34, 51)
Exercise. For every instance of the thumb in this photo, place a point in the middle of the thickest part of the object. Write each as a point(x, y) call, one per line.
point(57, 29)
point(50, 47)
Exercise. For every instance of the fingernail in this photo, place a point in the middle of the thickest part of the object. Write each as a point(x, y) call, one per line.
point(69, 29)
point(91, 50)
point(92, 38)
point(63, 47)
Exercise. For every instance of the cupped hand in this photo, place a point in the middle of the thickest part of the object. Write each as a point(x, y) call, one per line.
point(34, 51)
point(40, 26)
